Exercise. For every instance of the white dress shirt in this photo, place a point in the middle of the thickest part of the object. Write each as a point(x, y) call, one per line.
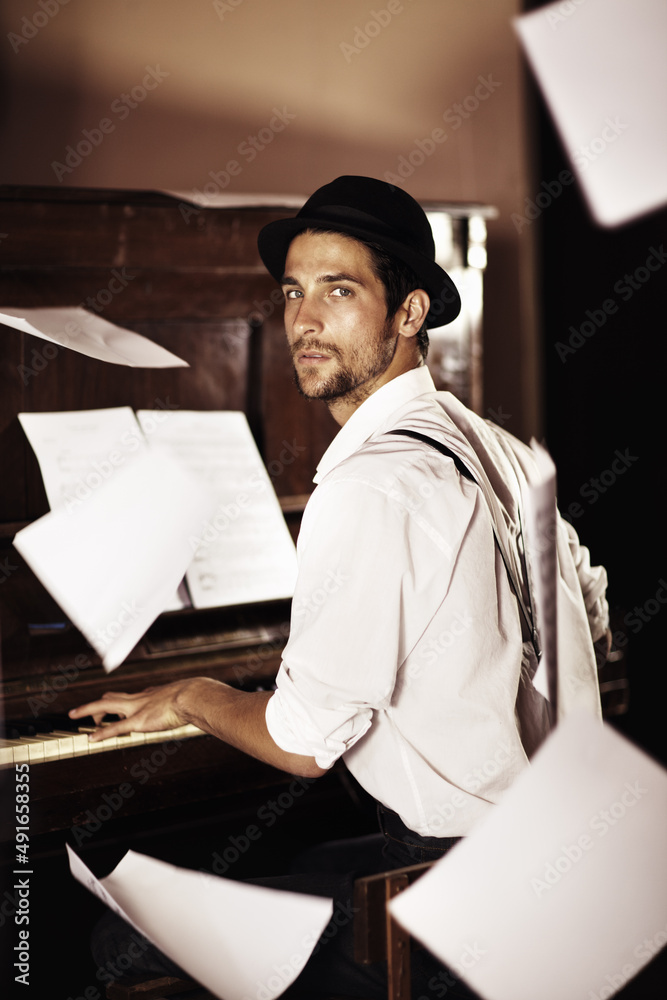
point(406, 652)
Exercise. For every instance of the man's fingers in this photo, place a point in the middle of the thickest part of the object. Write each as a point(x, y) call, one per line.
point(108, 704)
point(109, 730)
point(91, 709)
point(151, 710)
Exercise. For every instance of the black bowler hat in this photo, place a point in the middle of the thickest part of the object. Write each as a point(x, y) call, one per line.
point(377, 212)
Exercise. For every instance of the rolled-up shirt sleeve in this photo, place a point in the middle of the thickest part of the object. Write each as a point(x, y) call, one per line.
point(293, 724)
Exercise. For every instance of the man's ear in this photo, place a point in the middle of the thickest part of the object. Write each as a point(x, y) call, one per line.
point(413, 312)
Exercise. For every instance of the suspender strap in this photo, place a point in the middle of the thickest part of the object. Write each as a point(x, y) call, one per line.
point(465, 471)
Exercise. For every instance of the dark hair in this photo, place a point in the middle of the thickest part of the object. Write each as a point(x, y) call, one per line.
point(398, 280)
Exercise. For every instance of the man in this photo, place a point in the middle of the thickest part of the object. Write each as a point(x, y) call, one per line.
point(418, 667)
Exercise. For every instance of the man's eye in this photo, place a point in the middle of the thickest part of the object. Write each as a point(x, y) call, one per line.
point(292, 293)
point(343, 292)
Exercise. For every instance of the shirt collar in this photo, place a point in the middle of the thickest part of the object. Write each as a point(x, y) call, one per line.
point(371, 414)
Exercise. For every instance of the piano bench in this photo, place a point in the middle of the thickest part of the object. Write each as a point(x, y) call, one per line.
point(377, 937)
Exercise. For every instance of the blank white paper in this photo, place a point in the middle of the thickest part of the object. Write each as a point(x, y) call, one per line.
point(240, 941)
point(561, 893)
point(602, 68)
point(114, 561)
point(90, 334)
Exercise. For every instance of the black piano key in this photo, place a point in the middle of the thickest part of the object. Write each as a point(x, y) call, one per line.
point(14, 729)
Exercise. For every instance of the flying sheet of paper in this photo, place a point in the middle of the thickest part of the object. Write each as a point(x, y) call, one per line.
point(114, 561)
point(89, 334)
point(602, 68)
point(539, 503)
point(240, 941)
point(78, 450)
point(245, 551)
point(562, 892)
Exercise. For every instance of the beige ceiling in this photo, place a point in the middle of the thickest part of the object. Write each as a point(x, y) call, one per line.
point(227, 60)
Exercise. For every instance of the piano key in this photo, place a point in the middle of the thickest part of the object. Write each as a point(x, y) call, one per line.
point(179, 733)
point(15, 730)
point(131, 740)
point(100, 745)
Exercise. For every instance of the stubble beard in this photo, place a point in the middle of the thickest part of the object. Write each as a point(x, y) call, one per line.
point(353, 377)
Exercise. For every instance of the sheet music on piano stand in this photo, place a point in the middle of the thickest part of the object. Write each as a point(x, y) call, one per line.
point(244, 553)
point(115, 534)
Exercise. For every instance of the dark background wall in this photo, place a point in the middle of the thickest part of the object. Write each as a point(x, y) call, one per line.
point(604, 413)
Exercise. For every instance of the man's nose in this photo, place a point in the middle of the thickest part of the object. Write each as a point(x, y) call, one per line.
point(306, 316)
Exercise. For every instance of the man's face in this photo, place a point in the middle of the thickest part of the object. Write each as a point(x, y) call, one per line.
point(336, 318)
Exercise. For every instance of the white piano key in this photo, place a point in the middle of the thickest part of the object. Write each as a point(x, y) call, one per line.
point(20, 752)
point(99, 746)
point(131, 740)
point(80, 742)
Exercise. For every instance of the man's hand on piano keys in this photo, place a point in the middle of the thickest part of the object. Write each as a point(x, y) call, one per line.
point(237, 717)
point(149, 711)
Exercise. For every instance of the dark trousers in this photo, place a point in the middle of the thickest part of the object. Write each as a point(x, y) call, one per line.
point(327, 870)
